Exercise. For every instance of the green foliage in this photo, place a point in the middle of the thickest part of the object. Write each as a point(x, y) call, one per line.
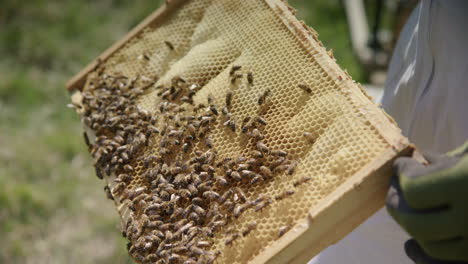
point(328, 18)
point(52, 207)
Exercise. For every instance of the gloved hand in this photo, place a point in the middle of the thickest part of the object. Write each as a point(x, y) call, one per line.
point(417, 254)
point(431, 204)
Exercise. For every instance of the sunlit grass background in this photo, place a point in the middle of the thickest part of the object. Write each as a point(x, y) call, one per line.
point(52, 207)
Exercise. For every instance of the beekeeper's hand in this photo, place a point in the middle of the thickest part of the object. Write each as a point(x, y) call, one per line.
point(431, 204)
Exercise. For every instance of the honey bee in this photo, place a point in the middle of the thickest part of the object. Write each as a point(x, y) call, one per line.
point(138, 257)
point(222, 181)
point(301, 181)
point(203, 244)
point(228, 99)
point(197, 250)
point(210, 257)
point(283, 230)
point(278, 164)
point(225, 112)
point(232, 125)
point(262, 99)
point(194, 87)
point(209, 142)
point(250, 227)
point(165, 227)
point(256, 134)
point(306, 88)
point(243, 166)
point(168, 235)
point(211, 195)
point(108, 193)
point(209, 99)
point(180, 223)
point(185, 227)
point(219, 223)
point(128, 168)
point(174, 258)
point(284, 194)
point(250, 78)
point(257, 178)
point(205, 120)
point(308, 136)
point(291, 168)
point(134, 193)
point(119, 139)
point(235, 78)
point(214, 110)
point(257, 154)
point(207, 231)
point(178, 79)
point(254, 162)
point(241, 194)
point(187, 99)
point(260, 120)
point(193, 190)
point(118, 188)
point(98, 173)
point(165, 94)
point(197, 201)
point(199, 210)
point(186, 147)
point(225, 196)
point(235, 175)
point(259, 199)
point(231, 239)
point(227, 123)
point(280, 153)
point(241, 159)
point(245, 120)
point(143, 57)
point(153, 129)
point(262, 147)
point(265, 171)
point(194, 217)
point(164, 151)
point(191, 129)
point(153, 206)
point(190, 261)
point(169, 45)
point(175, 133)
point(263, 204)
point(207, 169)
point(180, 249)
point(234, 68)
point(238, 209)
point(247, 174)
point(86, 139)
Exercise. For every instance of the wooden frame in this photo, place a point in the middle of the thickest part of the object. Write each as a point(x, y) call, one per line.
point(351, 203)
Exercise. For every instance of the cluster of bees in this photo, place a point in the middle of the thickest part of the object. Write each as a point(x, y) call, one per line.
point(185, 191)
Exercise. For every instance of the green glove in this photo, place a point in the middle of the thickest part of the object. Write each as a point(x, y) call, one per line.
point(431, 204)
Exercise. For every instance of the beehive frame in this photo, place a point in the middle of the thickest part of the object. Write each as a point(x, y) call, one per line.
point(347, 206)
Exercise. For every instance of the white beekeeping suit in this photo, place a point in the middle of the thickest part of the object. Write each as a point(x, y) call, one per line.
point(427, 94)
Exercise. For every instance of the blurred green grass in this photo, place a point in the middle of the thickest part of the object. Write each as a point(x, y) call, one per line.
point(52, 207)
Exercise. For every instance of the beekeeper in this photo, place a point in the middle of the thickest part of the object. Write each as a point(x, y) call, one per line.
point(427, 94)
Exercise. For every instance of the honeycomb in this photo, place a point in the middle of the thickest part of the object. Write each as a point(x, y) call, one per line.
point(181, 72)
